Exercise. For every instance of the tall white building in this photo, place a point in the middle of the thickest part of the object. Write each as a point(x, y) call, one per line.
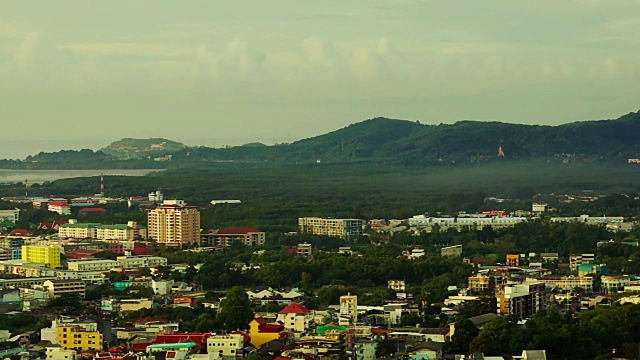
point(348, 309)
point(174, 224)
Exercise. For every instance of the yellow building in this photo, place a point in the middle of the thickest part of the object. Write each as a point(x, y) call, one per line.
point(262, 332)
point(174, 224)
point(77, 338)
point(43, 254)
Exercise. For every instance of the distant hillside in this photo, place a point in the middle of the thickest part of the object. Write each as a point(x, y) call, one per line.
point(128, 148)
point(83, 155)
point(410, 143)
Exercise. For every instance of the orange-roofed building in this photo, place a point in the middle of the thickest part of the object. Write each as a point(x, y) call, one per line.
point(261, 332)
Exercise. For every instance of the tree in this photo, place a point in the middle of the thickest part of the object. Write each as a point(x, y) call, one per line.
point(386, 347)
point(235, 310)
point(410, 320)
point(465, 332)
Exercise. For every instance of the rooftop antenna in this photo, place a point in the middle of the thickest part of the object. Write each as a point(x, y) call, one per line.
point(101, 185)
point(26, 188)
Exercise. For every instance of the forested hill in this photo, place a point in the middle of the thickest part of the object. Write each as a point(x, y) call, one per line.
point(405, 142)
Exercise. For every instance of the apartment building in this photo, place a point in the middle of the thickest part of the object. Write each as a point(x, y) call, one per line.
point(451, 251)
point(226, 236)
point(580, 259)
point(567, 283)
point(174, 224)
point(513, 260)
point(348, 309)
point(225, 345)
point(58, 288)
point(522, 300)
point(347, 229)
point(304, 249)
point(78, 338)
point(49, 255)
point(612, 284)
point(397, 285)
point(73, 230)
point(480, 283)
point(60, 353)
point(60, 207)
point(136, 262)
point(92, 265)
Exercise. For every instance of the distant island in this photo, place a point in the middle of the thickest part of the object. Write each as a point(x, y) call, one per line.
point(381, 141)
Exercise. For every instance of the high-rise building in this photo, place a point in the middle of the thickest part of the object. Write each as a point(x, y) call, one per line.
point(174, 224)
point(348, 309)
point(522, 300)
point(347, 229)
point(49, 255)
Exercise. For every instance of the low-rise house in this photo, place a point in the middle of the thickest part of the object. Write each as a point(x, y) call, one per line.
point(262, 332)
point(225, 345)
point(425, 350)
point(295, 317)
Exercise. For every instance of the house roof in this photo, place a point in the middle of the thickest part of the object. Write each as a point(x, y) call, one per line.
point(294, 308)
point(52, 224)
point(534, 354)
point(150, 320)
point(82, 253)
point(19, 232)
point(431, 345)
point(236, 231)
point(58, 203)
point(115, 227)
point(92, 210)
point(6, 224)
point(483, 319)
point(245, 337)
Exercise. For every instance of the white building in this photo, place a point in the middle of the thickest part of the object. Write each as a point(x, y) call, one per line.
point(136, 262)
point(60, 353)
point(348, 309)
point(347, 229)
point(295, 317)
point(539, 207)
point(92, 265)
point(225, 345)
point(162, 287)
point(60, 207)
point(11, 215)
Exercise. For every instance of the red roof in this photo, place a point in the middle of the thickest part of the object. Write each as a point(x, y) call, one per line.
point(245, 337)
point(271, 328)
point(198, 338)
point(52, 224)
point(19, 232)
point(236, 231)
point(261, 320)
point(83, 253)
point(294, 308)
point(59, 203)
point(93, 210)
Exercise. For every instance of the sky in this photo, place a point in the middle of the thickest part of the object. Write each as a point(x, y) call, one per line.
point(223, 72)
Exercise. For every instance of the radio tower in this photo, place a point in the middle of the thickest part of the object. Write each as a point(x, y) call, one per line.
point(101, 185)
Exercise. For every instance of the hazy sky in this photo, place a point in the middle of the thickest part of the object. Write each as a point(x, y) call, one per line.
point(232, 71)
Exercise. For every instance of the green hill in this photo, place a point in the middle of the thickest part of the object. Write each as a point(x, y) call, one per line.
point(128, 148)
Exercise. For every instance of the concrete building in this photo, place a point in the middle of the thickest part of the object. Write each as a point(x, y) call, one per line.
point(513, 260)
point(225, 345)
point(451, 251)
point(12, 215)
point(348, 309)
point(295, 317)
point(77, 338)
point(522, 300)
point(567, 283)
point(58, 288)
point(117, 231)
point(365, 350)
point(73, 230)
point(60, 353)
point(579, 259)
point(304, 249)
point(612, 284)
point(347, 229)
point(49, 255)
point(92, 265)
point(174, 224)
point(539, 207)
point(60, 207)
point(480, 283)
point(591, 220)
point(226, 236)
point(397, 285)
point(135, 304)
point(142, 261)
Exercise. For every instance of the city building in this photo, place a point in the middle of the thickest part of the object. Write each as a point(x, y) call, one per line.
point(12, 215)
point(295, 317)
point(591, 220)
point(612, 284)
point(347, 229)
point(513, 260)
point(142, 261)
point(397, 285)
point(587, 269)
point(74, 230)
point(225, 345)
point(78, 338)
point(60, 207)
point(576, 260)
point(92, 265)
point(451, 251)
point(226, 236)
point(49, 255)
point(262, 332)
point(174, 224)
point(60, 353)
point(567, 283)
point(480, 283)
point(539, 207)
point(58, 288)
point(522, 300)
point(348, 309)
point(304, 249)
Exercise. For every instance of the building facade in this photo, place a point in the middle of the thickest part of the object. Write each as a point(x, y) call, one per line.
point(77, 338)
point(174, 224)
point(49, 255)
point(11, 215)
point(522, 300)
point(58, 288)
point(347, 229)
point(226, 236)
